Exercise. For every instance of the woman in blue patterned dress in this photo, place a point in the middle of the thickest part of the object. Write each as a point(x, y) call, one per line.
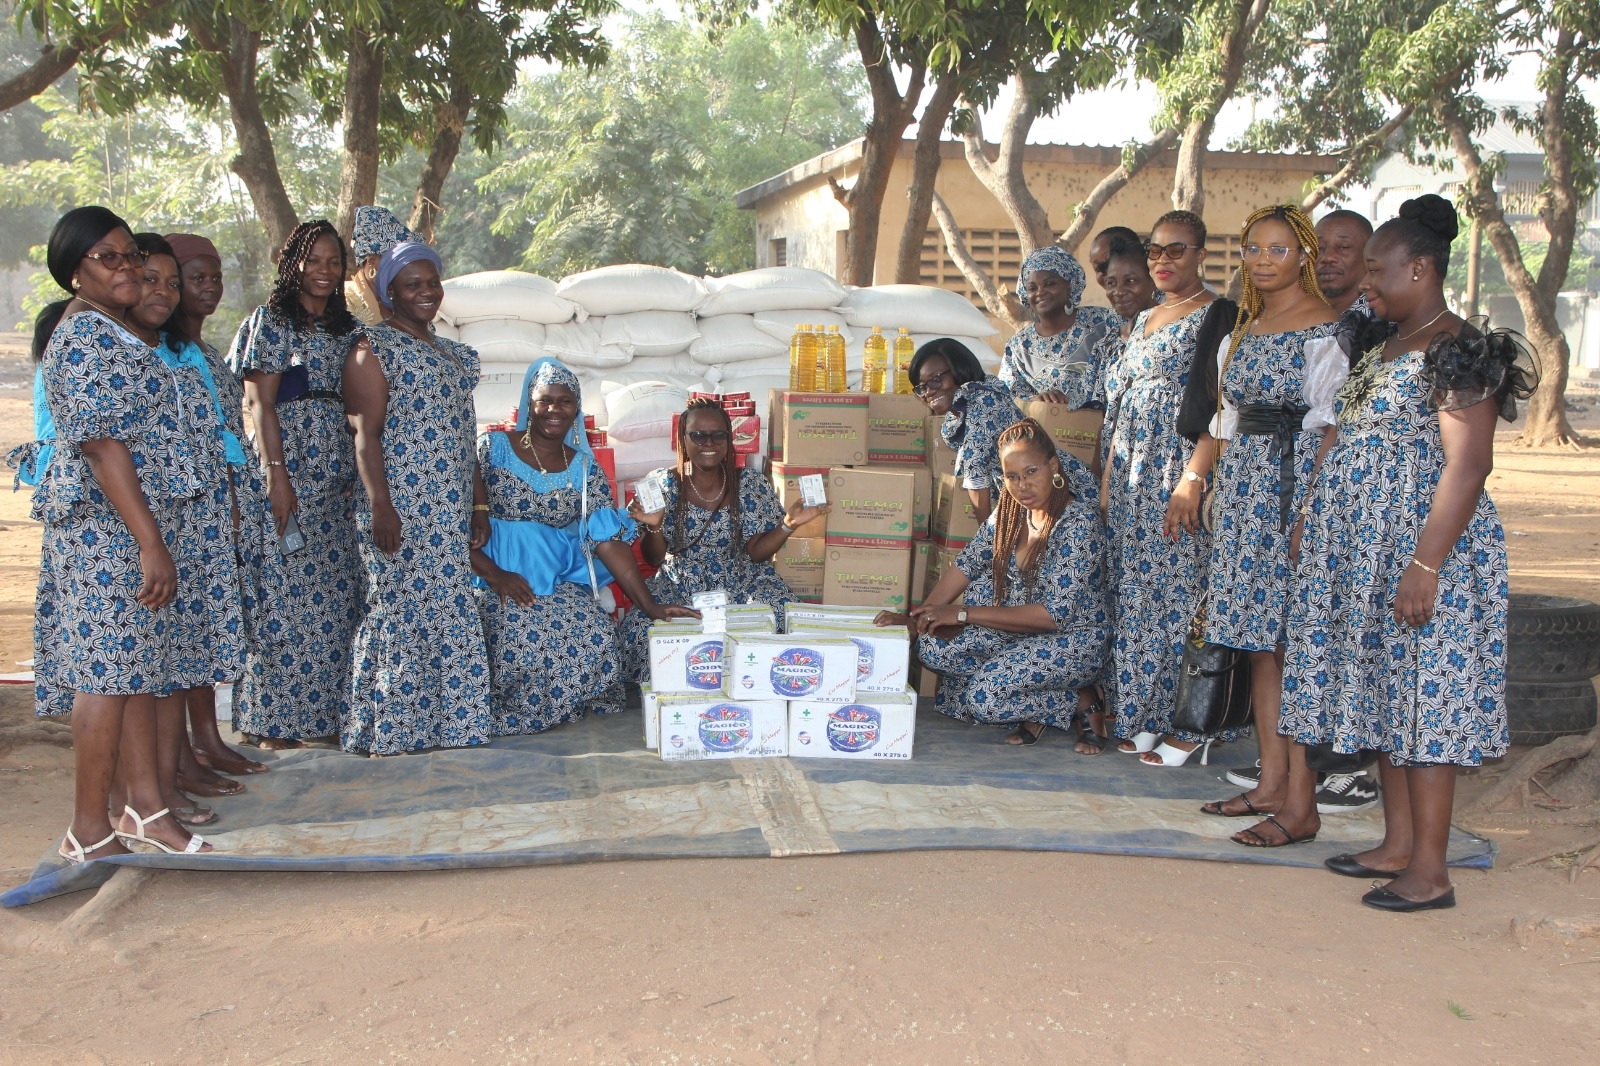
point(420, 675)
point(110, 496)
point(297, 681)
point(556, 541)
point(1279, 374)
point(1061, 357)
point(976, 410)
point(1019, 625)
point(720, 528)
point(1397, 629)
point(1157, 551)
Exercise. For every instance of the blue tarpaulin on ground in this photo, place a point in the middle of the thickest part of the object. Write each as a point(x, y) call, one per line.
point(590, 792)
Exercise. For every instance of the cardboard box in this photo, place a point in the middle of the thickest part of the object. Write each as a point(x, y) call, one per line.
point(650, 704)
point(921, 555)
point(1077, 432)
point(819, 428)
point(896, 429)
point(801, 614)
point(922, 506)
point(871, 508)
point(800, 563)
point(882, 727)
point(746, 433)
point(698, 728)
point(772, 667)
point(941, 458)
point(683, 659)
point(927, 682)
point(940, 559)
point(883, 653)
point(868, 577)
point(786, 483)
point(954, 521)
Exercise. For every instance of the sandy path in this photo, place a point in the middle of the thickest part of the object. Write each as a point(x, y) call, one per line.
point(910, 958)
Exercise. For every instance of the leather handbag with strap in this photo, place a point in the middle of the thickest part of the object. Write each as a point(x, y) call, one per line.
point(1213, 684)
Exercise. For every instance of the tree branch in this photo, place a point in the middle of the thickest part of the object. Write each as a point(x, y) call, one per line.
point(991, 296)
point(1087, 213)
point(1361, 155)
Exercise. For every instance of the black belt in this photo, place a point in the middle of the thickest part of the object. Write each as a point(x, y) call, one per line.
point(1280, 422)
point(312, 394)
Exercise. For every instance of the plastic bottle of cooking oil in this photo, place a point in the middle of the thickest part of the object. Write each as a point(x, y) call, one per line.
point(904, 349)
point(833, 344)
point(875, 362)
point(802, 360)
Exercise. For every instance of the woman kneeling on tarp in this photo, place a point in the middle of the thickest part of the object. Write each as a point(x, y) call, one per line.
point(1018, 625)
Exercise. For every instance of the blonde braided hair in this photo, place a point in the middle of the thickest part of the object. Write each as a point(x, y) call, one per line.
point(1250, 302)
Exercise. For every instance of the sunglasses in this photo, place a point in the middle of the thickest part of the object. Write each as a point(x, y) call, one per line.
point(931, 385)
point(703, 437)
point(114, 261)
point(1174, 251)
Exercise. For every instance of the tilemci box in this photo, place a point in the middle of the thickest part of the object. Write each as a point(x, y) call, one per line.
point(896, 425)
point(773, 667)
point(819, 428)
point(883, 653)
point(922, 507)
point(683, 659)
point(940, 559)
point(871, 508)
point(921, 554)
point(1077, 432)
point(786, 483)
point(954, 521)
point(941, 457)
point(693, 727)
point(800, 563)
point(873, 727)
point(879, 578)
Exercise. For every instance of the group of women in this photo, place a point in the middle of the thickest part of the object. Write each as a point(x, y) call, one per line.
point(371, 570)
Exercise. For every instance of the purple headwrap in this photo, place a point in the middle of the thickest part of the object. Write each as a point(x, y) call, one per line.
point(397, 259)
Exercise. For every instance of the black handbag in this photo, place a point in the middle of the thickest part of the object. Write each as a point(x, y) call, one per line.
point(1213, 684)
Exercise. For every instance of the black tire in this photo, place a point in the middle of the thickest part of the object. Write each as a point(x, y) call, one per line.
point(1552, 638)
point(1539, 713)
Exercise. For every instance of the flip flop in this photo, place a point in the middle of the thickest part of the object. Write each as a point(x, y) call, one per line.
point(194, 814)
point(1250, 838)
point(1250, 810)
point(210, 789)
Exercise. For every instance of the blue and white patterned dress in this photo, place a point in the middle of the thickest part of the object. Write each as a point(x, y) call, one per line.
point(1354, 676)
point(421, 674)
point(702, 560)
point(993, 676)
point(90, 633)
point(1072, 362)
point(297, 682)
point(1248, 603)
point(1156, 581)
point(560, 659)
point(980, 412)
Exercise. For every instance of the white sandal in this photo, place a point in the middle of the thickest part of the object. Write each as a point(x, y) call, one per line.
point(137, 837)
point(1141, 741)
point(1175, 756)
point(76, 853)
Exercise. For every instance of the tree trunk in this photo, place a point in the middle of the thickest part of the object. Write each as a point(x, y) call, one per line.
point(451, 125)
point(1546, 422)
point(1134, 159)
point(1188, 184)
point(358, 176)
point(1004, 176)
point(892, 112)
point(924, 172)
point(988, 292)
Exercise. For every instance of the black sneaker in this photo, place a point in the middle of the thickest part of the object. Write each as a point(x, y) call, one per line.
point(1246, 776)
point(1342, 793)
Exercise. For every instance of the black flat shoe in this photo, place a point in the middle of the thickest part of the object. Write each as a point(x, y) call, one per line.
point(1347, 865)
point(1385, 900)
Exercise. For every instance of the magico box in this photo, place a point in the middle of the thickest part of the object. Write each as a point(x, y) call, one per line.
point(921, 555)
point(746, 432)
point(1077, 432)
point(800, 563)
point(922, 505)
point(684, 659)
point(871, 508)
point(800, 614)
point(883, 653)
point(941, 457)
point(896, 425)
point(954, 521)
point(693, 727)
point(786, 483)
point(878, 727)
point(762, 667)
point(819, 428)
point(651, 706)
point(868, 577)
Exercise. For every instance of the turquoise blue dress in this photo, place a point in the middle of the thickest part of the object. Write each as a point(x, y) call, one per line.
point(421, 673)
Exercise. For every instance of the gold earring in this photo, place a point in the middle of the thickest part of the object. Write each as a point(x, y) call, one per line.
point(75, 283)
point(1057, 480)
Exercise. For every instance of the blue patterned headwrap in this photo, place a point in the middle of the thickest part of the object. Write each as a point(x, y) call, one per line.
point(1059, 262)
point(549, 371)
point(376, 230)
point(397, 259)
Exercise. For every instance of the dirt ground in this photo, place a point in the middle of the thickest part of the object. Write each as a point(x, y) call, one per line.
point(958, 957)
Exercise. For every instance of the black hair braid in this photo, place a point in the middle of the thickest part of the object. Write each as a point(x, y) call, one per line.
point(285, 298)
point(730, 477)
point(1010, 518)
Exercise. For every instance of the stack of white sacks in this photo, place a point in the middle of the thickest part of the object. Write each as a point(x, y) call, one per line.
point(641, 338)
point(831, 686)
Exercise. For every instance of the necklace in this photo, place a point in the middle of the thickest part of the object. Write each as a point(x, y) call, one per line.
point(84, 299)
point(1191, 296)
point(527, 442)
point(711, 501)
point(1424, 326)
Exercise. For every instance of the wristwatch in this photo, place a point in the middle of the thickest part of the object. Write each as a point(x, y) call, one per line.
point(1190, 475)
point(961, 616)
point(785, 526)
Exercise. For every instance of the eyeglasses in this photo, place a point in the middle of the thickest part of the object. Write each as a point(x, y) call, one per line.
point(703, 437)
point(931, 385)
point(1275, 253)
point(114, 261)
point(1174, 251)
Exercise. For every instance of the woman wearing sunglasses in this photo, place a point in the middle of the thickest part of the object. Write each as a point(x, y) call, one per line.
point(976, 410)
point(719, 530)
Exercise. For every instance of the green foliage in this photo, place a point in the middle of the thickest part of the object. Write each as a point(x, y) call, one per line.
point(639, 161)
